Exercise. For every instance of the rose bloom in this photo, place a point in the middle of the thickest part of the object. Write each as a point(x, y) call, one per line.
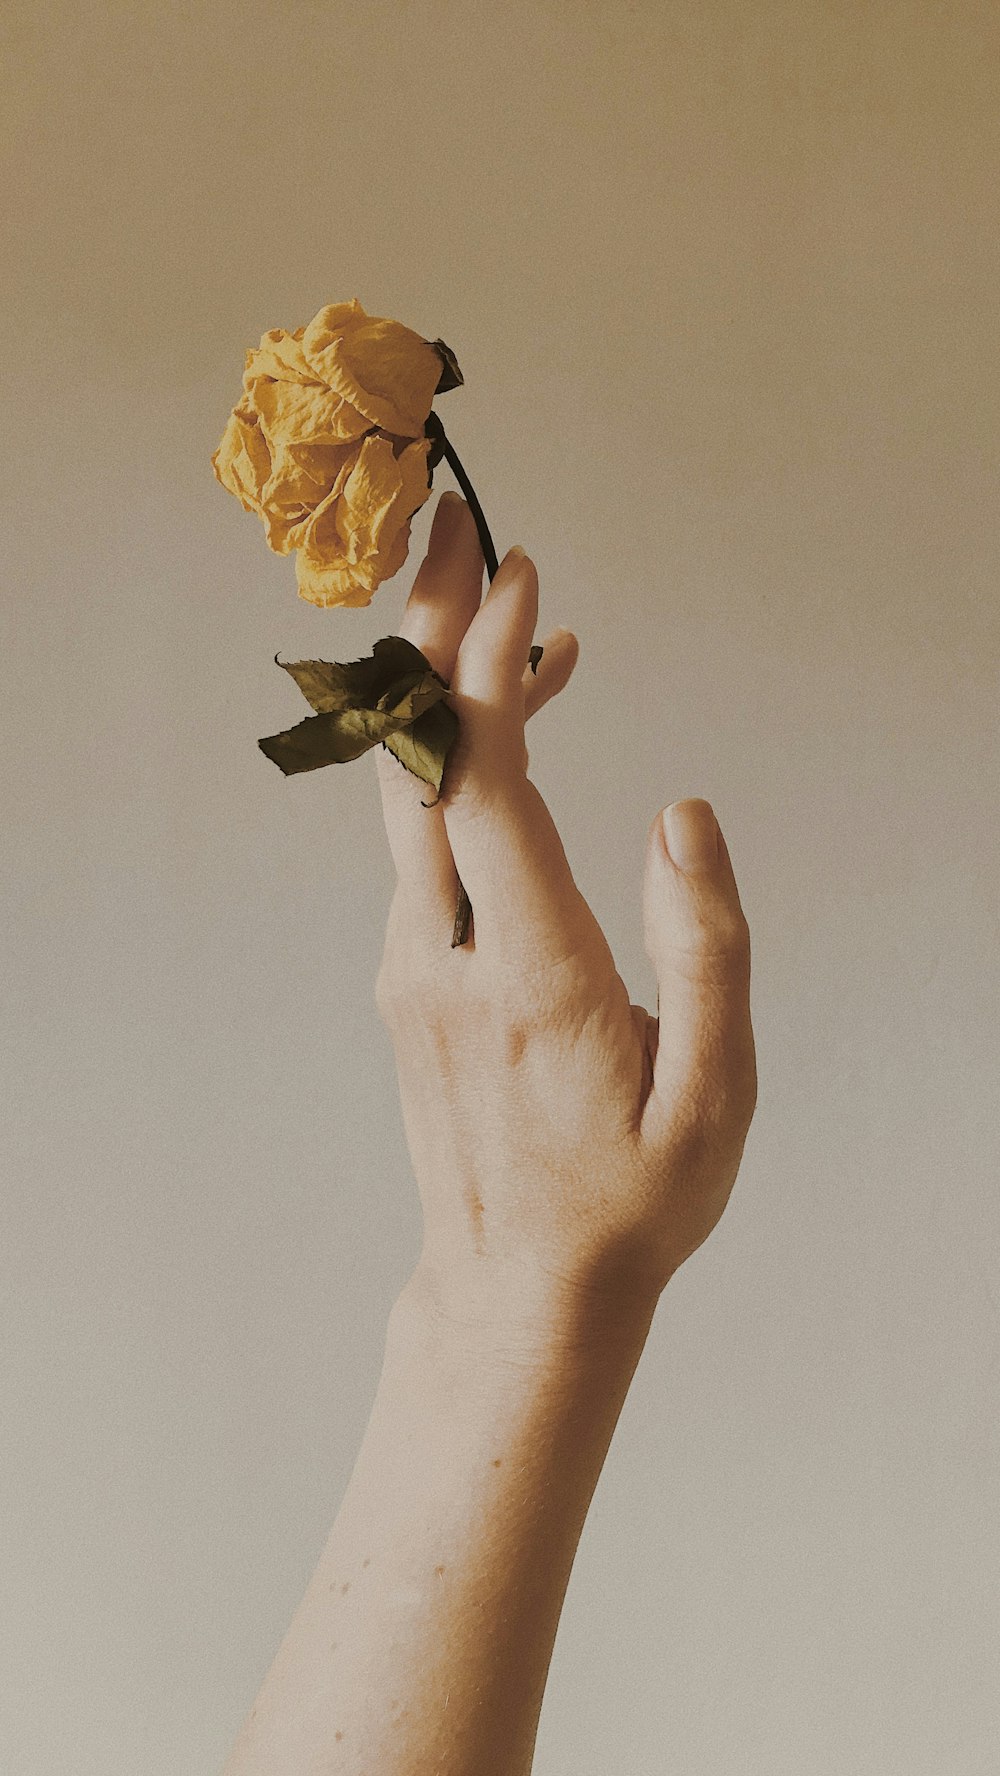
point(327, 446)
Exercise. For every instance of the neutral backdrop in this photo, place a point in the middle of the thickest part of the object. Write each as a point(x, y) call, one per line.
point(722, 280)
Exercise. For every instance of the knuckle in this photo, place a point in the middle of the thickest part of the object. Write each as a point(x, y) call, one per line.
point(393, 987)
point(712, 1097)
point(407, 983)
point(386, 993)
point(479, 757)
point(730, 1102)
point(728, 933)
point(707, 1114)
point(733, 1106)
point(715, 951)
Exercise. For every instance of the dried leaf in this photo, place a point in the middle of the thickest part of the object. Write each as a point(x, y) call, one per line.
point(319, 740)
point(423, 748)
point(451, 375)
point(393, 696)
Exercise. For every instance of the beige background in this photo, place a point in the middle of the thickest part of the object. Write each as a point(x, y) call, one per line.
point(723, 283)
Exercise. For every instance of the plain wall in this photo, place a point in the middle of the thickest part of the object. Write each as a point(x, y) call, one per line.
point(722, 280)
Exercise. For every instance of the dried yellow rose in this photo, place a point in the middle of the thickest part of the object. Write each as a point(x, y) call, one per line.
point(327, 445)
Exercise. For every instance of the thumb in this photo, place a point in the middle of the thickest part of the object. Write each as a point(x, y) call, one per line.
point(697, 938)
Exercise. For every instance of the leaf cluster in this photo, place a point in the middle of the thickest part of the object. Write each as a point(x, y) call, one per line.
point(392, 695)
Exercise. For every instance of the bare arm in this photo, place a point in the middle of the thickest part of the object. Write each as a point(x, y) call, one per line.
point(570, 1152)
point(424, 1639)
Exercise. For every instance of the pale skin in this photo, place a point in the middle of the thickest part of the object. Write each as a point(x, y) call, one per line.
point(571, 1151)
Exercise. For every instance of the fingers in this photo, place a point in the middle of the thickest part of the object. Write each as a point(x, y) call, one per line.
point(555, 669)
point(696, 936)
point(504, 841)
point(443, 599)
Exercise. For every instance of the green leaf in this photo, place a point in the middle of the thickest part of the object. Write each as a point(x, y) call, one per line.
point(390, 696)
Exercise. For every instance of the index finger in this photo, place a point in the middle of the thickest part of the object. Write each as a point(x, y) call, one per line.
point(444, 595)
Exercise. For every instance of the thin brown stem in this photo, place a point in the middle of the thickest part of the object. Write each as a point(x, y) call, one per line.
point(463, 905)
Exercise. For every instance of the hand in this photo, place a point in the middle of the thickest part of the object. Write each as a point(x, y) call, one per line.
point(565, 1142)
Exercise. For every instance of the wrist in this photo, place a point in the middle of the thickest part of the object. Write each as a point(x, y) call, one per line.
point(521, 1315)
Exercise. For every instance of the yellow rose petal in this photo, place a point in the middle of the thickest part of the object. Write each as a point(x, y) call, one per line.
point(327, 446)
point(361, 538)
point(279, 355)
point(383, 369)
point(303, 474)
point(242, 462)
point(297, 413)
point(329, 584)
point(293, 528)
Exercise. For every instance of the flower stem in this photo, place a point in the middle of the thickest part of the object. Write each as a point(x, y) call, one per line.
point(451, 458)
point(463, 906)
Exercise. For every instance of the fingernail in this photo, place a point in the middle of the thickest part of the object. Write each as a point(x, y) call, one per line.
point(516, 553)
point(692, 834)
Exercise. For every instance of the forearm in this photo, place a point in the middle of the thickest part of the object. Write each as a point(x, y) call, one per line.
point(424, 1638)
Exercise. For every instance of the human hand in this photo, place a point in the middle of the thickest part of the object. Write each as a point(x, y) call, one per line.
point(566, 1144)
